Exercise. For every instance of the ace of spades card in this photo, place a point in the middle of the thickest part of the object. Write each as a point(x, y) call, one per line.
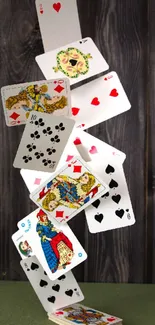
point(43, 142)
point(114, 209)
point(55, 246)
point(69, 191)
point(52, 294)
point(77, 61)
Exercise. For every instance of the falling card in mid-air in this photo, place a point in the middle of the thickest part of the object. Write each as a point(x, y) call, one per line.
point(43, 142)
point(59, 18)
point(52, 97)
point(69, 191)
point(77, 61)
point(54, 245)
point(98, 101)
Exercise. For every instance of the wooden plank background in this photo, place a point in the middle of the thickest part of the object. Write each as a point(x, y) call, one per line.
point(124, 32)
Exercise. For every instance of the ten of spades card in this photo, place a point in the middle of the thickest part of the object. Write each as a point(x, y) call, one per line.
point(55, 245)
point(69, 191)
point(77, 61)
point(59, 19)
point(52, 294)
point(43, 142)
point(52, 97)
point(114, 209)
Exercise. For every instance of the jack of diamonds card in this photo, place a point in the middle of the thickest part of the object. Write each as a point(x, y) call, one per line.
point(69, 191)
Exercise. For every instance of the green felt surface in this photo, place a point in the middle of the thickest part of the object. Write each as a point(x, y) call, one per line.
point(134, 303)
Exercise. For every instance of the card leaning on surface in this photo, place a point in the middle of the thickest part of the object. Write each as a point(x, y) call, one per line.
point(43, 142)
point(55, 246)
point(69, 191)
point(59, 22)
point(78, 61)
point(52, 97)
point(114, 209)
point(101, 99)
point(79, 314)
point(52, 294)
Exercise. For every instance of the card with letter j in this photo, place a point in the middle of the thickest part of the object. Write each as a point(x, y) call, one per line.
point(69, 191)
point(77, 61)
point(51, 97)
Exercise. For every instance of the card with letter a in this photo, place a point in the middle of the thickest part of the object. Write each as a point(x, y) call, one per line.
point(59, 22)
point(51, 97)
point(69, 191)
point(79, 314)
point(77, 61)
point(55, 246)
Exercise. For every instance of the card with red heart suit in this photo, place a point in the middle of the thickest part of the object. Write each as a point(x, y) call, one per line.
point(69, 191)
point(80, 314)
point(59, 18)
point(101, 99)
point(114, 209)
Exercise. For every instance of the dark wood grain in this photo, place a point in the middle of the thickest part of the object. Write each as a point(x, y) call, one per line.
point(123, 33)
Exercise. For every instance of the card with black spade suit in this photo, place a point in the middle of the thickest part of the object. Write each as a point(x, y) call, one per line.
point(52, 294)
point(114, 209)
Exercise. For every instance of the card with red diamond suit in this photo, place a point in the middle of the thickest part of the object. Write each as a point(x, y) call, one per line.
point(59, 18)
point(52, 97)
point(54, 244)
point(74, 187)
point(43, 142)
point(77, 61)
point(101, 99)
point(79, 314)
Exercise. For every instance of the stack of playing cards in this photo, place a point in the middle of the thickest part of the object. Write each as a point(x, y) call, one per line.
point(66, 169)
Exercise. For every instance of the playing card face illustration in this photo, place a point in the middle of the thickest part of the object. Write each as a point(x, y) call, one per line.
point(59, 18)
point(51, 97)
point(77, 61)
point(55, 245)
point(43, 142)
point(20, 241)
point(69, 191)
point(79, 314)
point(101, 99)
point(114, 209)
point(52, 294)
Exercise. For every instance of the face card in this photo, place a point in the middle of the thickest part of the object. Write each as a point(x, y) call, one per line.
point(51, 97)
point(69, 191)
point(79, 314)
point(114, 209)
point(55, 17)
point(55, 245)
point(20, 241)
point(77, 61)
point(52, 294)
point(101, 99)
point(43, 142)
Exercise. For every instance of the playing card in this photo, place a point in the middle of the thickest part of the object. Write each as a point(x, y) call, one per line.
point(80, 314)
point(78, 61)
point(52, 294)
point(22, 245)
point(114, 209)
point(91, 148)
point(69, 191)
point(101, 99)
point(59, 19)
point(43, 141)
point(55, 245)
point(52, 97)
